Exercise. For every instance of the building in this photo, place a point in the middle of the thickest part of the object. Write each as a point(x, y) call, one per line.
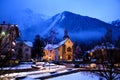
point(23, 50)
point(104, 52)
point(61, 51)
point(8, 35)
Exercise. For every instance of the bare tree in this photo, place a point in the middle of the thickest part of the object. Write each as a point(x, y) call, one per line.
point(37, 49)
point(109, 68)
point(51, 37)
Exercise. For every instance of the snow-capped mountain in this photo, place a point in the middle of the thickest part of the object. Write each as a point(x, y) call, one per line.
point(79, 27)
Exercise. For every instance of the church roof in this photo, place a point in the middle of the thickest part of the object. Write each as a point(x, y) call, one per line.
point(53, 46)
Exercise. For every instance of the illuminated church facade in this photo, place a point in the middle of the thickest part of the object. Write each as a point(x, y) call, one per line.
point(61, 51)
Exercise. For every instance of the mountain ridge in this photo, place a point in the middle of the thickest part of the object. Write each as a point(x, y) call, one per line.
point(85, 25)
point(79, 27)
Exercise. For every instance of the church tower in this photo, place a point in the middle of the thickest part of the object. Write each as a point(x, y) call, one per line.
point(65, 35)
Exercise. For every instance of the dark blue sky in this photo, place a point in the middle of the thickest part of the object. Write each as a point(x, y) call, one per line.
point(106, 10)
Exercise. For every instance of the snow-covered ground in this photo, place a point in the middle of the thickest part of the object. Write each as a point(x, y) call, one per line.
point(24, 65)
point(33, 74)
point(58, 69)
point(77, 76)
point(73, 76)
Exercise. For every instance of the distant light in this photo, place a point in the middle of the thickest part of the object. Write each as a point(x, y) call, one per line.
point(92, 50)
point(3, 33)
point(13, 50)
point(91, 54)
point(93, 65)
point(49, 57)
point(13, 43)
point(8, 35)
point(88, 51)
point(60, 57)
point(102, 50)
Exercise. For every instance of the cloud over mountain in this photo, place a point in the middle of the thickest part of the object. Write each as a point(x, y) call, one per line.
point(81, 28)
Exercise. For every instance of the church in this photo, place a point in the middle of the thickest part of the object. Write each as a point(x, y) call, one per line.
point(61, 51)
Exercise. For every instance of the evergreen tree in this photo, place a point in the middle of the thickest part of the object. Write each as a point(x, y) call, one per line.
point(37, 50)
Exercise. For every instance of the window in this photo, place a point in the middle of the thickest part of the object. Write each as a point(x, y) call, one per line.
point(69, 49)
point(26, 49)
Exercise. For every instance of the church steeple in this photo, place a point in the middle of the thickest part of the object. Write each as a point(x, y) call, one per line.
point(65, 35)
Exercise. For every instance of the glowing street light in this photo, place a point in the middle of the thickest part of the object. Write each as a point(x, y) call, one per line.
point(13, 43)
point(3, 33)
point(91, 54)
point(102, 51)
point(60, 57)
point(13, 50)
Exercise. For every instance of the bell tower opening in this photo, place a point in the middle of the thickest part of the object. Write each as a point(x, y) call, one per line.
point(65, 35)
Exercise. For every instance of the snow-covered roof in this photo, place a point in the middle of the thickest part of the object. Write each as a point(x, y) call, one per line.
point(62, 42)
point(53, 46)
point(110, 46)
point(49, 47)
point(28, 43)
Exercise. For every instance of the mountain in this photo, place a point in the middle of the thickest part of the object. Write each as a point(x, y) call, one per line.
point(81, 28)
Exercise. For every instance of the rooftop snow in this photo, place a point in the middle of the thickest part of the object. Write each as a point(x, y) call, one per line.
point(53, 46)
point(28, 43)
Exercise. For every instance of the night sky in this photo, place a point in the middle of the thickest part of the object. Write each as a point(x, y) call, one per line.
point(105, 10)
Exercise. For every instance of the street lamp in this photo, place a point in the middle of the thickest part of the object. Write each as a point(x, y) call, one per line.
point(3, 34)
point(60, 57)
point(91, 54)
point(102, 51)
point(50, 48)
point(49, 61)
